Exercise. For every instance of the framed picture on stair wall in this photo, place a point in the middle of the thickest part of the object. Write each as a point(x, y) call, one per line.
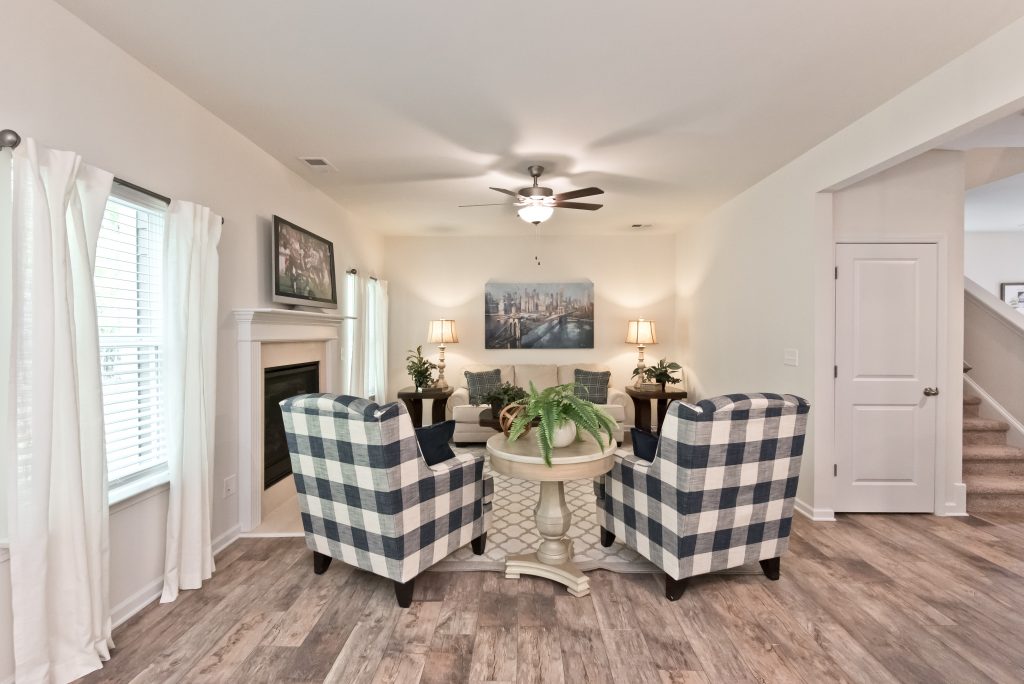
point(539, 315)
point(1013, 294)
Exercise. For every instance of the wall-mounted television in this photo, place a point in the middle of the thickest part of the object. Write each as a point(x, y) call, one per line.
point(303, 267)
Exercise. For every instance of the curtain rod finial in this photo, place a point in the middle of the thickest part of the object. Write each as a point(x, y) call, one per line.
point(9, 138)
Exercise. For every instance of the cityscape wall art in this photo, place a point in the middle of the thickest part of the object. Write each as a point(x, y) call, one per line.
point(539, 315)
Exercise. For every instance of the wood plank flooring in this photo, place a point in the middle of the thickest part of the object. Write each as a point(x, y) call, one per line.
point(870, 598)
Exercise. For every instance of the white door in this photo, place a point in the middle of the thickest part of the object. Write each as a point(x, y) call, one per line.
point(886, 373)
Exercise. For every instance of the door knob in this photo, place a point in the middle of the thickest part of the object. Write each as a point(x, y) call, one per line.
point(931, 391)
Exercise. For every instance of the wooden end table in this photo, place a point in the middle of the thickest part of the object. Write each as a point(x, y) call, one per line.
point(580, 460)
point(642, 405)
point(413, 401)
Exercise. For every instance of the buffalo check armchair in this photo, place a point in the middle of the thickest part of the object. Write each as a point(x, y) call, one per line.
point(719, 492)
point(369, 499)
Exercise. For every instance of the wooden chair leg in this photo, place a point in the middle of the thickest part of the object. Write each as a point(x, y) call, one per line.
point(320, 563)
point(403, 592)
point(479, 544)
point(770, 566)
point(674, 588)
point(607, 538)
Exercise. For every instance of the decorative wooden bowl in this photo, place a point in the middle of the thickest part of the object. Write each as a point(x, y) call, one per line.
point(508, 414)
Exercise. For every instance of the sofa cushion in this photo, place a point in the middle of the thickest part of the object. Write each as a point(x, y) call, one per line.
point(481, 384)
point(615, 411)
point(508, 373)
point(433, 440)
point(542, 375)
point(467, 413)
point(567, 373)
point(592, 385)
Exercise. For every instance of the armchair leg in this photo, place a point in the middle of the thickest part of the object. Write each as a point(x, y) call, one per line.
point(770, 566)
point(403, 592)
point(607, 538)
point(320, 563)
point(674, 588)
point(479, 544)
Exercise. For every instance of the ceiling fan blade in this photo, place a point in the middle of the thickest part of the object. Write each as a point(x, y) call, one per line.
point(578, 205)
point(573, 194)
point(507, 192)
point(490, 204)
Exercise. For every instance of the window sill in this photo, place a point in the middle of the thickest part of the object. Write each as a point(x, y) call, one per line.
point(138, 490)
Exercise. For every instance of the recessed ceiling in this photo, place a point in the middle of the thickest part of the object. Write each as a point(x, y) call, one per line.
point(997, 206)
point(672, 107)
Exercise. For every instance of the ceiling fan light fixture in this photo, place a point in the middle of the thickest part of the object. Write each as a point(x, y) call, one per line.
point(535, 213)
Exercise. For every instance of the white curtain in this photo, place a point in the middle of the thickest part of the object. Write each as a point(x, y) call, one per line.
point(189, 376)
point(352, 380)
point(52, 448)
point(375, 340)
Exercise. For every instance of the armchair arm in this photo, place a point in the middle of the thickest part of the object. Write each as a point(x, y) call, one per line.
point(459, 472)
point(460, 397)
point(626, 460)
point(617, 396)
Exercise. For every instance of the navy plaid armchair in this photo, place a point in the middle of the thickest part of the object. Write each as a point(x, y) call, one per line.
point(369, 499)
point(719, 492)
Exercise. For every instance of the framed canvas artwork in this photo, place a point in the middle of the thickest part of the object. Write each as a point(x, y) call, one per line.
point(1013, 294)
point(539, 315)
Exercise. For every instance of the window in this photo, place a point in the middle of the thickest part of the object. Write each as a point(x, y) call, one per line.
point(128, 281)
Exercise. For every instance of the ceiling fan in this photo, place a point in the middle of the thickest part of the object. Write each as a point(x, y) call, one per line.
point(537, 203)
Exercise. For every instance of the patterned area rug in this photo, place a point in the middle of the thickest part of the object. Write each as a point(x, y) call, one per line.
point(513, 530)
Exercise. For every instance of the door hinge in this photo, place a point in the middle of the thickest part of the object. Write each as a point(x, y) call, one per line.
point(835, 470)
point(837, 273)
point(835, 371)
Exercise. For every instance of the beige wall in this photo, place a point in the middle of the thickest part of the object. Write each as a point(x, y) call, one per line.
point(991, 258)
point(70, 88)
point(432, 278)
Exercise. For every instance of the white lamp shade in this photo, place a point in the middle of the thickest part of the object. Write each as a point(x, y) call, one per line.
point(641, 332)
point(535, 213)
point(442, 332)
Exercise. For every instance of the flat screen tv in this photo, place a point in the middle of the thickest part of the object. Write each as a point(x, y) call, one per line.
point(303, 267)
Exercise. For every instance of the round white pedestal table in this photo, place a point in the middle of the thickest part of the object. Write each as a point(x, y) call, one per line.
point(580, 460)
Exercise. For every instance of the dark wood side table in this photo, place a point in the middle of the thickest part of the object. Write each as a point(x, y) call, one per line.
point(413, 401)
point(642, 405)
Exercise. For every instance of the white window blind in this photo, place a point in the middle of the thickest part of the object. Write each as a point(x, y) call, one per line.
point(128, 282)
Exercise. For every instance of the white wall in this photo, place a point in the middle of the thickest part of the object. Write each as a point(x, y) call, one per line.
point(992, 258)
point(70, 88)
point(754, 276)
point(923, 199)
point(430, 278)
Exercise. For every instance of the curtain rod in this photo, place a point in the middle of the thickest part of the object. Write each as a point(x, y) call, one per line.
point(355, 272)
point(9, 138)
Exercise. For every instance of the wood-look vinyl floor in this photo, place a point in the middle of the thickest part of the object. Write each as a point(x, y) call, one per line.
point(870, 598)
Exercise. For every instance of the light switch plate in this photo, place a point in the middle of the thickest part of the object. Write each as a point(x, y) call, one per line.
point(791, 357)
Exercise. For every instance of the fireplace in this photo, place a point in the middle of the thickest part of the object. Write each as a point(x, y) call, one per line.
point(280, 383)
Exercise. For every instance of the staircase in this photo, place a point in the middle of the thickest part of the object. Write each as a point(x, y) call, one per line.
point(993, 470)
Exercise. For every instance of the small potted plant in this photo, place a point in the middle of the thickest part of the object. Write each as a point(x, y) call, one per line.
point(420, 369)
point(503, 395)
point(561, 416)
point(659, 374)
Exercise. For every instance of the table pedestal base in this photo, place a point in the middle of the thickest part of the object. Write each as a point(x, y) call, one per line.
point(566, 572)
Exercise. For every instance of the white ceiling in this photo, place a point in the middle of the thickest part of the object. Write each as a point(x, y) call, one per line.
point(996, 206)
point(672, 107)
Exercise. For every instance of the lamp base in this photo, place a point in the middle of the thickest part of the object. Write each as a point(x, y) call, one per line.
point(441, 383)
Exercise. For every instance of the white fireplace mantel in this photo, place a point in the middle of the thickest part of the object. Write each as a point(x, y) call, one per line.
point(257, 327)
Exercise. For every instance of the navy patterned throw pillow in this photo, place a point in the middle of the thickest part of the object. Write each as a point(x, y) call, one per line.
point(592, 385)
point(481, 384)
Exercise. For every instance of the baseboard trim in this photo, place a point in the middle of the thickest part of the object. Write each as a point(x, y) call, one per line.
point(815, 514)
point(127, 609)
point(958, 507)
point(1015, 437)
point(270, 535)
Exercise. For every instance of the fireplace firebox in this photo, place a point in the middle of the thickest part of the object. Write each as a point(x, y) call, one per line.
point(280, 383)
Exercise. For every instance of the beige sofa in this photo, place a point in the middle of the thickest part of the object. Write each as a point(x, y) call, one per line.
point(467, 416)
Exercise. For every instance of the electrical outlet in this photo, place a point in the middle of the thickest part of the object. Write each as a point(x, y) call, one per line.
point(230, 485)
point(791, 357)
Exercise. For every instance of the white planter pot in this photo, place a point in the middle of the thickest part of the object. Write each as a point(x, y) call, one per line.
point(564, 435)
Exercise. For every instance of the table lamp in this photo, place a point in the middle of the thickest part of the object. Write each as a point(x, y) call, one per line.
point(442, 332)
point(641, 333)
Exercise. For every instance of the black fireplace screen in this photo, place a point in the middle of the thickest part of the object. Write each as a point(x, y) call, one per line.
point(279, 384)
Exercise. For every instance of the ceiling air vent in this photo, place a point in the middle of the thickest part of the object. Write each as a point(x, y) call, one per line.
point(318, 164)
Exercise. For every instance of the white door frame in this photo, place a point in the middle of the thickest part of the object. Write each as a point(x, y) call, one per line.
point(950, 493)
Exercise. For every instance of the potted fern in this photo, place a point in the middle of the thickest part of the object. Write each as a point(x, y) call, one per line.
point(562, 415)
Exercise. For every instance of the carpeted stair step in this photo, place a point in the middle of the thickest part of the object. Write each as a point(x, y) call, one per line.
point(995, 493)
point(993, 459)
point(984, 431)
point(971, 406)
